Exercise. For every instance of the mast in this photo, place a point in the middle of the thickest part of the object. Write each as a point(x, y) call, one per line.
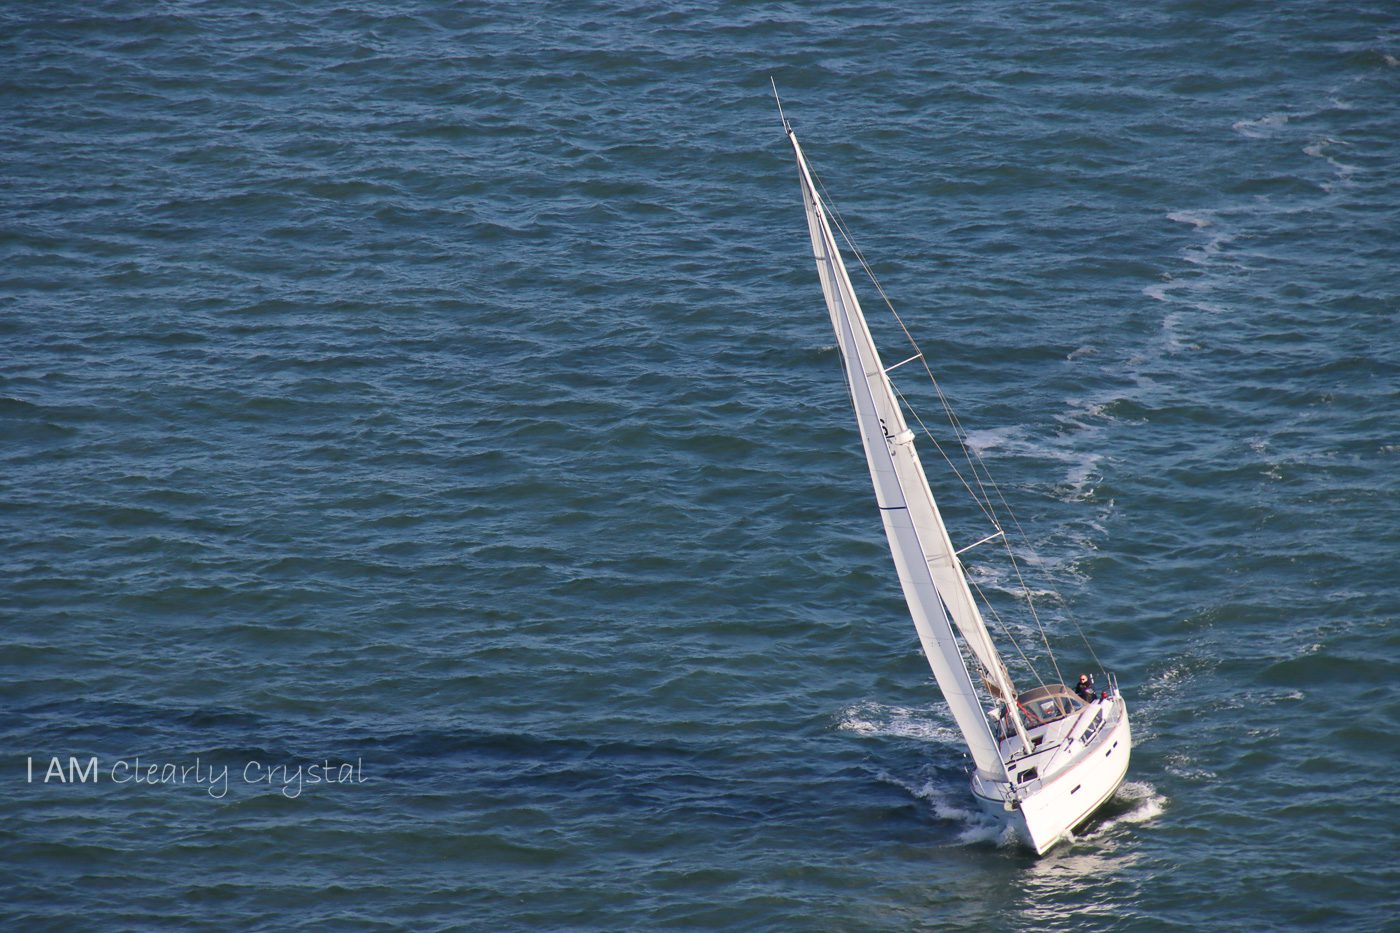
point(929, 571)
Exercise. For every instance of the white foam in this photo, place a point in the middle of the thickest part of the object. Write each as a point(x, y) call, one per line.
point(1168, 684)
point(1318, 150)
point(1213, 238)
point(1156, 292)
point(1260, 128)
point(942, 803)
point(1194, 218)
point(1007, 837)
point(1182, 766)
point(1147, 803)
point(1207, 251)
point(1081, 466)
point(871, 718)
point(1168, 338)
point(978, 827)
point(989, 438)
point(939, 800)
point(1083, 471)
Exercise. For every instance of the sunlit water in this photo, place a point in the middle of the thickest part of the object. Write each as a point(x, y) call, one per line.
point(446, 391)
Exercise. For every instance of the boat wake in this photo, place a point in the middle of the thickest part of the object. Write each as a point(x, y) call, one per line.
point(1262, 127)
point(870, 718)
point(1135, 802)
point(975, 827)
point(948, 804)
point(1080, 462)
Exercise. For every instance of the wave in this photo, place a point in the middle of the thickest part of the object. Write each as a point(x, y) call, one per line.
point(1081, 466)
point(1261, 127)
point(1196, 219)
point(975, 826)
point(870, 718)
point(1342, 170)
point(1145, 804)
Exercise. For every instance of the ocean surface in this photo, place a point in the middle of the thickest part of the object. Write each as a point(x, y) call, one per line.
point(429, 498)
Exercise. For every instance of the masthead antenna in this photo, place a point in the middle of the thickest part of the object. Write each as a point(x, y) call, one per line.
point(787, 128)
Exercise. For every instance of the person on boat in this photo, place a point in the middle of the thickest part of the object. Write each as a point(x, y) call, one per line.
point(1085, 688)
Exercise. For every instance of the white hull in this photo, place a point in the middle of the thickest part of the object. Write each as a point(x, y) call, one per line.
point(1073, 781)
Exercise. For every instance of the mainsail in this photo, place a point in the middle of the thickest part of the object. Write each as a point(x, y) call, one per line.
point(929, 571)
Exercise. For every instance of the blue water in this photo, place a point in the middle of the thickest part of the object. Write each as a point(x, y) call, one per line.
point(445, 390)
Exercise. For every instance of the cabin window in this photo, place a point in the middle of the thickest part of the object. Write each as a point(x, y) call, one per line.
point(1027, 775)
point(1047, 704)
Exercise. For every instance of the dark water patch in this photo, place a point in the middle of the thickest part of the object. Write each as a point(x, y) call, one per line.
point(1326, 668)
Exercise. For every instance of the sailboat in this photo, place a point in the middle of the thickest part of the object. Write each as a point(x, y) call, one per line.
point(1045, 758)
